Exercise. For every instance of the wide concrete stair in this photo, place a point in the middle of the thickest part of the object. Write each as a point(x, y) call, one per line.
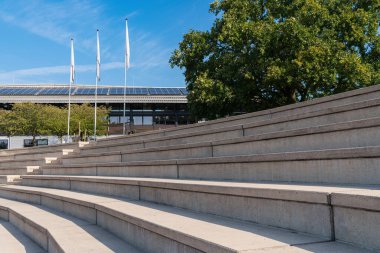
point(57, 232)
point(12, 240)
point(28, 160)
point(300, 178)
point(351, 112)
point(359, 133)
point(352, 98)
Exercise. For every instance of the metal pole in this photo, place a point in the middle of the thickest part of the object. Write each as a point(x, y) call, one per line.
point(96, 100)
point(71, 82)
point(68, 116)
point(124, 99)
point(125, 70)
point(96, 79)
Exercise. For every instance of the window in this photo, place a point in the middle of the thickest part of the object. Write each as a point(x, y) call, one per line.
point(137, 120)
point(42, 142)
point(148, 120)
point(3, 144)
point(39, 142)
point(28, 143)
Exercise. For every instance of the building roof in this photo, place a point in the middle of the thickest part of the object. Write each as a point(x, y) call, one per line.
point(86, 94)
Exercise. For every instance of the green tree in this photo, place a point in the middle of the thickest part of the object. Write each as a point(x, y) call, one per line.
point(264, 53)
point(39, 119)
point(82, 120)
point(8, 123)
point(56, 120)
point(30, 119)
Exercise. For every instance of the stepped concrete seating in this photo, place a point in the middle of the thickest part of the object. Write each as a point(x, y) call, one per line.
point(160, 228)
point(57, 232)
point(27, 160)
point(358, 166)
point(307, 208)
point(346, 98)
point(300, 178)
point(41, 149)
point(358, 133)
point(9, 179)
point(12, 240)
point(357, 111)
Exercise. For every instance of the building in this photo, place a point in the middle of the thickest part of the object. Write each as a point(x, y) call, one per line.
point(147, 108)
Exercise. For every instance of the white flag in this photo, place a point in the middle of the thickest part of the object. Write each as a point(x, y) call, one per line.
point(72, 65)
point(127, 50)
point(97, 56)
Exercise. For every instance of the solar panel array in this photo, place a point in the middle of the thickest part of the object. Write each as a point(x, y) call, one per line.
point(88, 91)
point(54, 91)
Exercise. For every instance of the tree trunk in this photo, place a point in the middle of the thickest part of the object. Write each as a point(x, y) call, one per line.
point(290, 96)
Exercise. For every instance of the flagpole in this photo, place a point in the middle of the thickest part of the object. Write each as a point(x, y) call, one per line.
point(127, 55)
point(97, 78)
point(71, 82)
point(96, 98)
point(124, 98)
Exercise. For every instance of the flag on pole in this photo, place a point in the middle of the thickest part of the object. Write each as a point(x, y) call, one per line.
point(72, 64)
point(72, 79)
point(127, 49)
point(97, 56)
point(127, 65)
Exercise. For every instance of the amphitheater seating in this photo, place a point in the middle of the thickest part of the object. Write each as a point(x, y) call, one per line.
point(300, 178)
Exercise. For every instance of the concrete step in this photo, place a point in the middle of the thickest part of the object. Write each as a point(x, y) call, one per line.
point(303, 208)
point(9, 179)
point(358, 133)
point(334, 166)
point(26, 162)
point(345, 98)
point(34, 156)
point(58, 232)
point(217, 134)
point(41, 154)
point(19, 170)
point(357, 111)
point(13, 241)
point(41, 149)
point(158, 228)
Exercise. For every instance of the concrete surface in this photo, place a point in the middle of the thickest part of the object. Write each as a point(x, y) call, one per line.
point(57, 232)
point(13, 241)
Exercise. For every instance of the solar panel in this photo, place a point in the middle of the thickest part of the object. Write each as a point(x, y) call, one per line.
point(140, 91)
point(103, 91)
point(79, 91)
point(152, 91)
point(184, 91)
point(174, 91)
point(129, 91)
point(159, 91)
point(86, 91)
point(18, 91)
point(116, 91)
point(4, 91)
point(89, 91)
point(55, 91)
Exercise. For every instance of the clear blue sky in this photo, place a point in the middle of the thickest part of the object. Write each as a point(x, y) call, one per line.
point(35, 39)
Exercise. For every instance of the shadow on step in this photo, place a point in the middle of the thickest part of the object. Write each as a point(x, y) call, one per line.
point(13, 240)
point(102, 236)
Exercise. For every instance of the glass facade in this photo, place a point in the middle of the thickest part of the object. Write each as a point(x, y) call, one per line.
point(148, 116)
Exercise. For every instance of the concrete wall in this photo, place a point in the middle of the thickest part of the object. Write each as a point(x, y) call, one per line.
point(18, 141)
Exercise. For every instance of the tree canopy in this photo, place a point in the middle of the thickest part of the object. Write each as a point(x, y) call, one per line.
point(39, 119)
point(260, 54)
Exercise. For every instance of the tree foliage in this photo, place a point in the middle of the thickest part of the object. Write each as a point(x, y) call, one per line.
point(82, 120)
point(264, 53)
point(39, 119)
